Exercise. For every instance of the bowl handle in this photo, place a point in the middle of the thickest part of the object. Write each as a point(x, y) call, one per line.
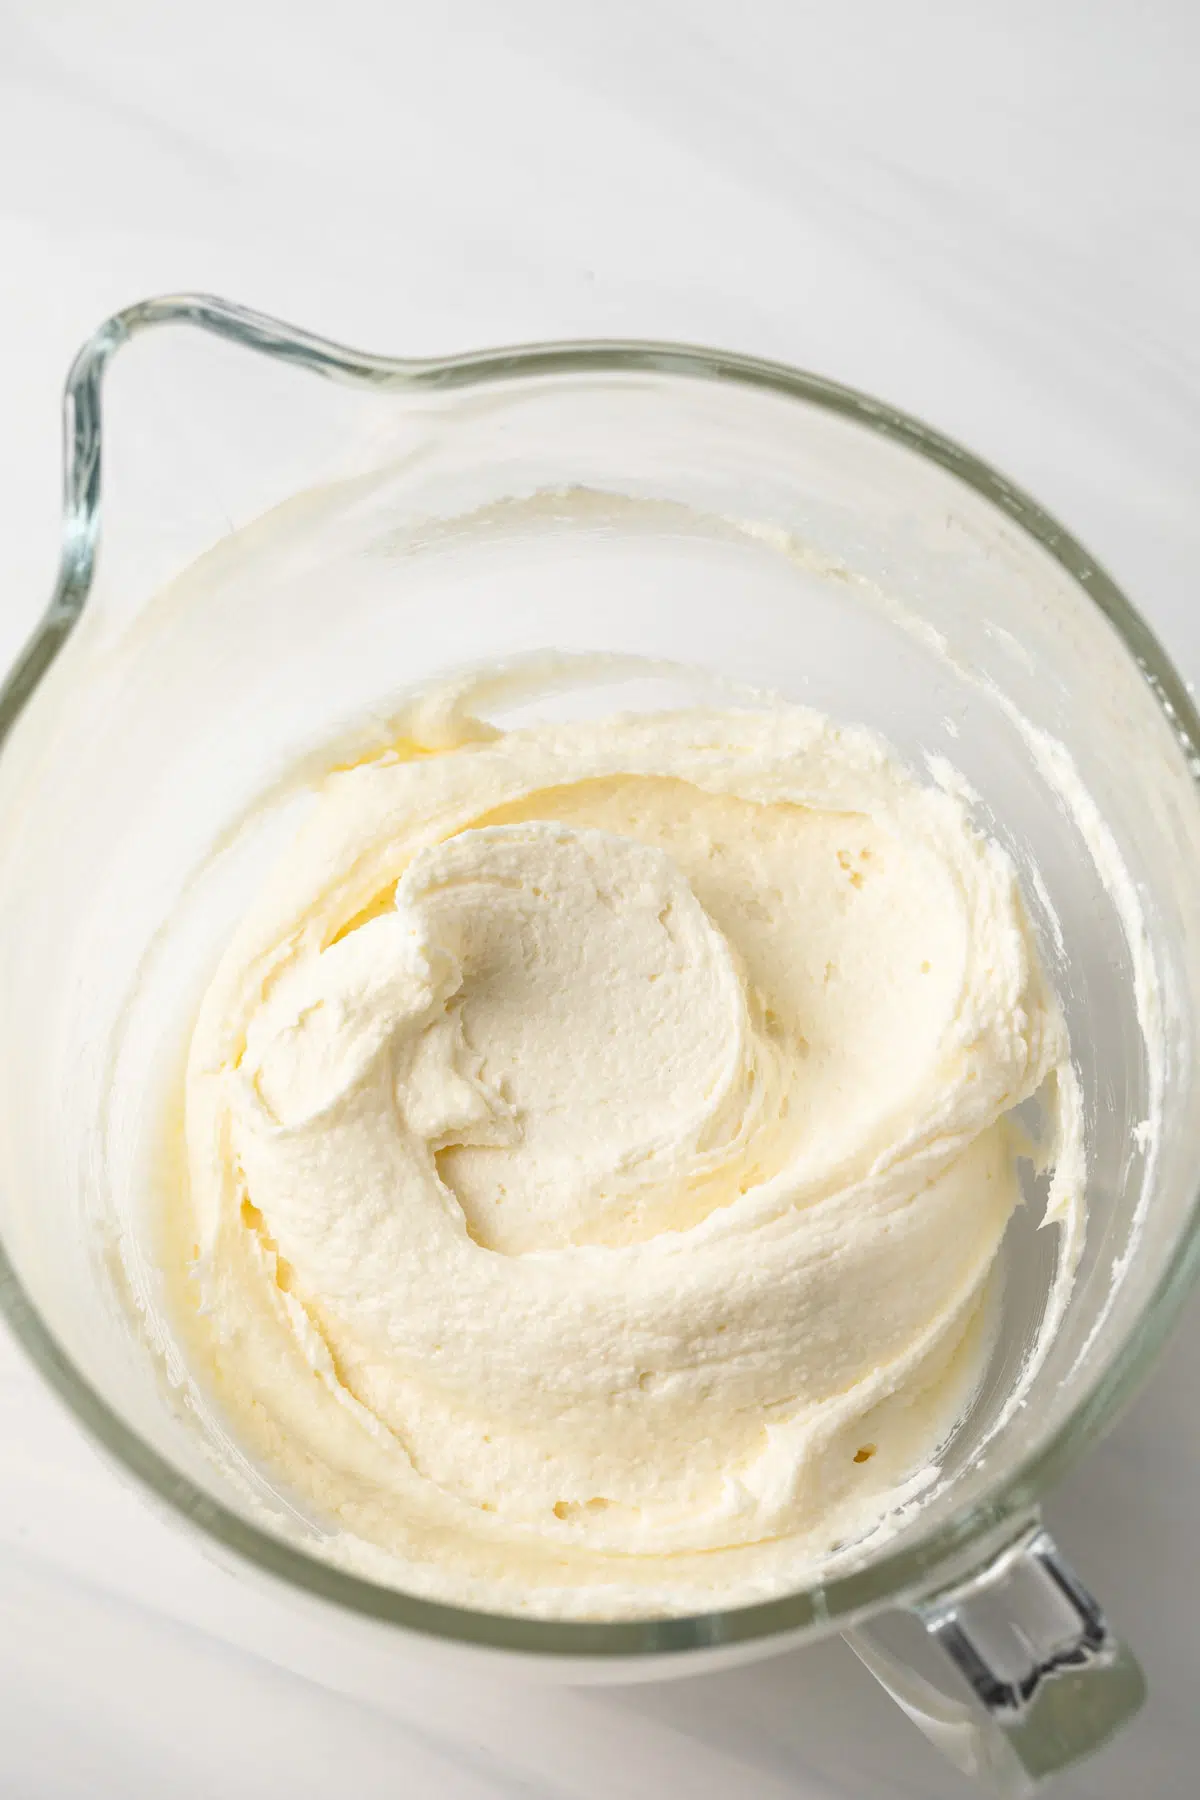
point(1042, 1679)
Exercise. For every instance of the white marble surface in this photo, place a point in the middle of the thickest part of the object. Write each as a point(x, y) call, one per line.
point(989, 214)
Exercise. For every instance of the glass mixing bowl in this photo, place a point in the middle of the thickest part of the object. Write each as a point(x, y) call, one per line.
point(286, 558)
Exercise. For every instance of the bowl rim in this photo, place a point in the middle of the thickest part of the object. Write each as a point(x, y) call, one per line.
point(839, 1600)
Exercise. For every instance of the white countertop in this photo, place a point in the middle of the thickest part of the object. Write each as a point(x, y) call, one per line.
point(988, 214)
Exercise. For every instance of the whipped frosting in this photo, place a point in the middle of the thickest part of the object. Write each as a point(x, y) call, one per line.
point(598, 1148)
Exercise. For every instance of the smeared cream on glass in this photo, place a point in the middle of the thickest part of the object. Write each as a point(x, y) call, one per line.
point(598, 1149)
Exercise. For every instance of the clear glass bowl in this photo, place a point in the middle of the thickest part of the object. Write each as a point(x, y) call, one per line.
point(286, 557)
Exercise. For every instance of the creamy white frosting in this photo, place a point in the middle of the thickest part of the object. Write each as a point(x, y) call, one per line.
point(598, 1149)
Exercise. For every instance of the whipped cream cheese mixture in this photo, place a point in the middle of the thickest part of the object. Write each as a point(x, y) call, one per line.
point(598, 1148)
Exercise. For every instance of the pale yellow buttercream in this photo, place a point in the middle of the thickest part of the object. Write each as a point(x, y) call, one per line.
point(598, 1149)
